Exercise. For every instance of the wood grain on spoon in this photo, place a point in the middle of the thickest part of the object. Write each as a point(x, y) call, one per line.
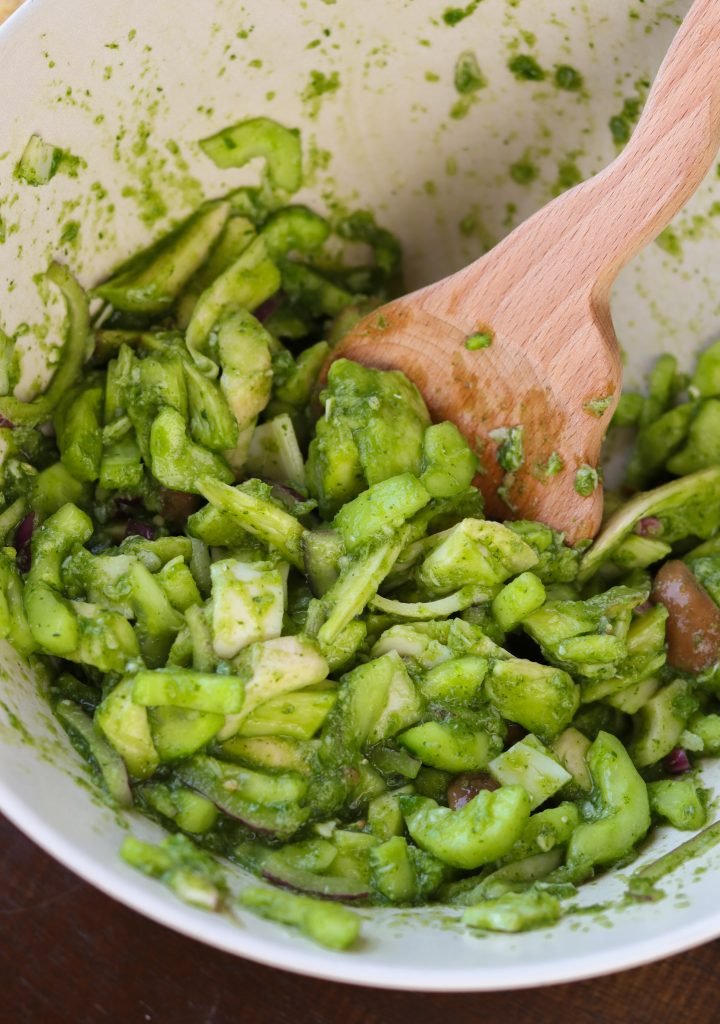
point(542, 295)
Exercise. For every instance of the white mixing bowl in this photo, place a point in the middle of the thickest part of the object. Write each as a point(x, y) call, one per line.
point(128, 86)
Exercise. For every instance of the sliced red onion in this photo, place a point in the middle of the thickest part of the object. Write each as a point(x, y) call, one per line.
point(285, 492)
point(515, 733)
point(466, 786)
point(649, 526)
point(250, 817)
point(6, 423)
point(677, 762)
point(23, 536)
point(255, 826)
point(177, 506)
point(266, 309)
point(136, 528)
point(326, 887)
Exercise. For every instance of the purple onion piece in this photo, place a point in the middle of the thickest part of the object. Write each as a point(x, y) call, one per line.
point(289, 497)
point(266, 309)
point(649, 526)
point(515, 733)
point(136, 528)
point(23, 536)
point(284, 493)
point(6, 423)
point(24, 531)
point(177, 506)
point(325, 887)
point(246, 819)
point(466, 786)
point(677, 762)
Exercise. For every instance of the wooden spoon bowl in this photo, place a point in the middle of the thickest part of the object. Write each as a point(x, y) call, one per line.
point(518, 349)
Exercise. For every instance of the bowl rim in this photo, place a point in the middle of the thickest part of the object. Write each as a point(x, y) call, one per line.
point(349, 968)
point(163, 908)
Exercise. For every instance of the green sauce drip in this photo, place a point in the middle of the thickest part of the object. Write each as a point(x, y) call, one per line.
point(552, 467)
point(452, 16)
point(526, 68)
point(641, 884)
point(523, 171)
point(568, 78)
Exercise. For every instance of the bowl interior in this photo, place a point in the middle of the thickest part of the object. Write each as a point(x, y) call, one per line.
point(129, 88)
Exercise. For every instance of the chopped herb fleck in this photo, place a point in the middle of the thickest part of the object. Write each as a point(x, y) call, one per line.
point(461, 108)
point(510, 453)
point(552, 467)
point(320, 84)
point(452, 16)
point(468, 76)
point(467, 225)
point(569, 175)
point(669, 242)
point(621, 124)
point(597, 406)
point(523, 171)
point(70, 231)
point(526, 68)
point(568, 78)
point(586, 480)
point(480, 339)
point(620, 129)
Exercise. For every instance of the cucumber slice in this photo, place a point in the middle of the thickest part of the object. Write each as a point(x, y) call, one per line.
point(181, 732)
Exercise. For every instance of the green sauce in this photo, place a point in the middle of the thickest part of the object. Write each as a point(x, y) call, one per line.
point(641, 885)
point(452, 16)
point(526, 68)
point(319, 86)
point(586, 481)
point(524, 171)
point(670, 243)
point(568, 78)
point(621, 124)
point(468, 76)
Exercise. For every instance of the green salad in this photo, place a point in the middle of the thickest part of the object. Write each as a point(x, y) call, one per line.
point(275, 619)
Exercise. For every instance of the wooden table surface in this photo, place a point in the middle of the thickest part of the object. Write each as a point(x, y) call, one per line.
point(70, 955)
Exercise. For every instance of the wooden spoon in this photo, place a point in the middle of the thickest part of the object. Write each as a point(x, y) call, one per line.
point(541, 297)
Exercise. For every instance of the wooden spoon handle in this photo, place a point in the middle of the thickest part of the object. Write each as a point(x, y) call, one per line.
point(672, 148)
point(595, 229)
